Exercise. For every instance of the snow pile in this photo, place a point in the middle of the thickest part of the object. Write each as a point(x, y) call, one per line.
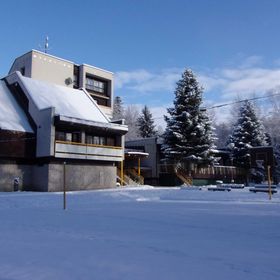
point(146, 233)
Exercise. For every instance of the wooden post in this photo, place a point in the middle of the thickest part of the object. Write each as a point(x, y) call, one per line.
point(139, 168)
point(122, 173)
point(64, 185)
point(269, 182)
point(139, 171)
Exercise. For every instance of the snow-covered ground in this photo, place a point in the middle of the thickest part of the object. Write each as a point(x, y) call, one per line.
point(140, 233)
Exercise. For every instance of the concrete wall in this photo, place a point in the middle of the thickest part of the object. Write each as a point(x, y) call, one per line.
point(9, 171)
point(51, 69)
point(50, 176)
point(81, 177)
point(99, 73)
point(25, 62)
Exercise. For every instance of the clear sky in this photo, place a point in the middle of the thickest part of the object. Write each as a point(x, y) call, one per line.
point(233, 46)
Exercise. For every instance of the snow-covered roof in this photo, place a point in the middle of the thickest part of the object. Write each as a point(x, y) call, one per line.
point(12, 117)
point(67, 102)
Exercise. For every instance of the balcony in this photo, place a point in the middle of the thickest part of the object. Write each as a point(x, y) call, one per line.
point(87, 151)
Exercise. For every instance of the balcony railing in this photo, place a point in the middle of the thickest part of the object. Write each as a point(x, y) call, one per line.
point(75, 150)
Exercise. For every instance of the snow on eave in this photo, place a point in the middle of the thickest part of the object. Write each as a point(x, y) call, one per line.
point(118, 127)
point(261, 147)
point(95, 103)
point(13, 116)
point(137, 154)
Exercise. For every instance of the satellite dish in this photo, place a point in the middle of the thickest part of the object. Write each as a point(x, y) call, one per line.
point(68, 81)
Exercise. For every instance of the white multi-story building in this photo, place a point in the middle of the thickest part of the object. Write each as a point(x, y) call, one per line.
point(55, 113)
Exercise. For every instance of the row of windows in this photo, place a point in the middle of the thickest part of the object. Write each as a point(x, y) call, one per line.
point(95, 85)
point(90, 139)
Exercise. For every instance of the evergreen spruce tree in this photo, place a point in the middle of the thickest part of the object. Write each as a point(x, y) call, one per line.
point(145, 124)
point(247, 132)
point(188, 136)
point(118, 111)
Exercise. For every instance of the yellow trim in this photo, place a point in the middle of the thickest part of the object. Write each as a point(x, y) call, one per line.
point(81, 154)
point(89, 145)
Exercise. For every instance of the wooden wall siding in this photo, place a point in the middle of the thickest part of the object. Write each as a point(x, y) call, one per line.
point(15, 144)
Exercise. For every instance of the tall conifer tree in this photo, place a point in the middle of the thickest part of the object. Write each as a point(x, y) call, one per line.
point(188, 135)
point(145, 124)
point(247, 132)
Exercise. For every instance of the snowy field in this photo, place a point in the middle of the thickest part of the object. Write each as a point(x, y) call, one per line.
point(146, 233)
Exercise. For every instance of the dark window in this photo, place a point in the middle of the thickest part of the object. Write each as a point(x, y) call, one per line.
point(22, 71)
point(68, 136)
point(100, 140)
point(76, 137)
point(76, 73)
point(59, 135)
point(89, 139)
point(111, 141)
point(100, 101)
point(96, 85)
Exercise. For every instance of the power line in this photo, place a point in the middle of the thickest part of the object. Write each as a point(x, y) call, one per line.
point(243, 100)
point(233, 102)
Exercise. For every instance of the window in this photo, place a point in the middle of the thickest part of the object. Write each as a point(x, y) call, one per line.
point(76, 137)
point(89, 139)
point(100, 101)
point(76, 75)
point(110, 141)
point(75, 82)
point(95, 85)
point(102, 140)
point(96, 140)
point(68, 137)
point(59, 135)
point(22, 71)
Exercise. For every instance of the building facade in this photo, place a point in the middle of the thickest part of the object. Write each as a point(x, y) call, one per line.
point(55, 126)
point(42, 66)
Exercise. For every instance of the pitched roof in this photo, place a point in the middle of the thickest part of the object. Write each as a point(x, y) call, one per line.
point(67, 102)
point(12, 116)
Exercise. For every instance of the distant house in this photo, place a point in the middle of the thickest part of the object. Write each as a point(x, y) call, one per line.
point(156, 171)
point(55, 126)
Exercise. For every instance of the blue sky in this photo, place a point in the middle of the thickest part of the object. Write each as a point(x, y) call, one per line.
point(232, 46)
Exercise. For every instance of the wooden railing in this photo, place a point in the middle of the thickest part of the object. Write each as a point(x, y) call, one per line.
point(129, 178)
point(205, 172)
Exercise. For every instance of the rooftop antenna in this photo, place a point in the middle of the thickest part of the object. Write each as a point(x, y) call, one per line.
point(47, 44)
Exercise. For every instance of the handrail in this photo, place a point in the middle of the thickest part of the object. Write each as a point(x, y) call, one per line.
point(87, 145)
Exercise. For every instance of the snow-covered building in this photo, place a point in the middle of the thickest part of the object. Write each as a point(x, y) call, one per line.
point(98, 82)
point(53, 133)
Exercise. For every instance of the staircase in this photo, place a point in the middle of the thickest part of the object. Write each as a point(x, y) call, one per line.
point(183, 176)
point(130, 177)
